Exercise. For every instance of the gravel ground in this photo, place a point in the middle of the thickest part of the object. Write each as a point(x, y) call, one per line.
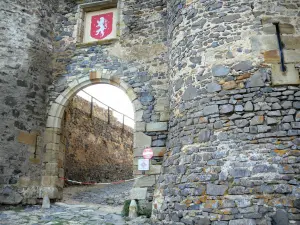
point(113, 194)
point(87, 205)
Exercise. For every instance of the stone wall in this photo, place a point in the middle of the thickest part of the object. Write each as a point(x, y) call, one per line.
point(42, 56)
point(96, 151)
point(136, 62)
point(25, 73)
point(233, 143)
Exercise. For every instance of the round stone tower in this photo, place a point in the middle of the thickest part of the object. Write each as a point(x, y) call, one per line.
point(26, 55)
point(233, 142)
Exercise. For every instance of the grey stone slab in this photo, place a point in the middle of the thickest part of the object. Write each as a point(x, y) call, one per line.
point(211, 109)
point(220, 70)
point(138, 193)
point(157, 126)
point(216, 190)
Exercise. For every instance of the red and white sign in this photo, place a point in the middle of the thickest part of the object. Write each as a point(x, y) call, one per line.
point(148, 153)
point(101, 25)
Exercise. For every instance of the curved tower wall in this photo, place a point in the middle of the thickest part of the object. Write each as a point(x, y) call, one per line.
point(233, 142)
point(25, 62)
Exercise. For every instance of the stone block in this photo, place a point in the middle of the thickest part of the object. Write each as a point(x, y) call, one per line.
point(157, 126)
point(229, 85)
point(52, 192)
point(48, 181)
point(211, 109)
point(138, 116)
point(62, 100)
point(137, 105)
point(154, 169)
point(190, 93)
point(52, 169)
point(141, 140)
point(138, 193)
point(56, 110)
point(220, 70)
point(257, 120)
point(9, 196)
point(272, 56)
point(162, 104)
point(248, 107)
point(291, 56)
point(140, 126)
point(146, 181)
point(291, 76)
point(53, 122)
point(228, 108)
point(257, 79)
point(291, 42)
point(285, 28)
point(216, 190)
point(280, 217)
point(242, 222)
point(27, 138)
point(24, 181)
point(131, 94)
point(213, 87)
point(243, 66)
point(164, 116)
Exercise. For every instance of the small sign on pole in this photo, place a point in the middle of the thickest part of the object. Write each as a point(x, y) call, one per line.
point(148, 153)
point(143, 164)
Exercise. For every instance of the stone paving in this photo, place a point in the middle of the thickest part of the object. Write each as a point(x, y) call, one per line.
point(89, 206)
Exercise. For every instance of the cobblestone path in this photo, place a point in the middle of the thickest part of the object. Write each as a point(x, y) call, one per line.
point(94, 205)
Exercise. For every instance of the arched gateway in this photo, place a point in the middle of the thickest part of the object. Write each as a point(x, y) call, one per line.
point(52, 182)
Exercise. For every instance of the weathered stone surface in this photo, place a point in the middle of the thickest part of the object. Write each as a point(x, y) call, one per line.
point(190, 93)
point(256, 80)
point(296, 104)
point(138, 193)
point(9, 196)
point(243, 66)
point(211, 109)
point(229, 85)
point(46, 202)
point(226, 108)
point(220, 70)
point(100, 139)
point(249, 106)
point(204, 135)
point(213, 87)
point(280, 217)
point(271, 121)
point(257, 120)
point(240, 172)
point(215, 190)
point(241, 123)
point(158, 126)
point(242, 221)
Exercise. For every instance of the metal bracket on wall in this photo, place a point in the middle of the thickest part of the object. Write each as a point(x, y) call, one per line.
point(281, 46)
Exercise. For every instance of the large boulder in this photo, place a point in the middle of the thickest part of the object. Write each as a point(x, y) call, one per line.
point(8, 196)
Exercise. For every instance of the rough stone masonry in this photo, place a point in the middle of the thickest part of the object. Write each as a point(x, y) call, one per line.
point(97, 151)
point(209, 96)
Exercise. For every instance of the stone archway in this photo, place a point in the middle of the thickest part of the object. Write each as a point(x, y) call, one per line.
point(52, 182)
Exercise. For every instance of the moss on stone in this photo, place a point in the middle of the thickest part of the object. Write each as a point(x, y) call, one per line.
point(144, 210)
point(125, 210)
